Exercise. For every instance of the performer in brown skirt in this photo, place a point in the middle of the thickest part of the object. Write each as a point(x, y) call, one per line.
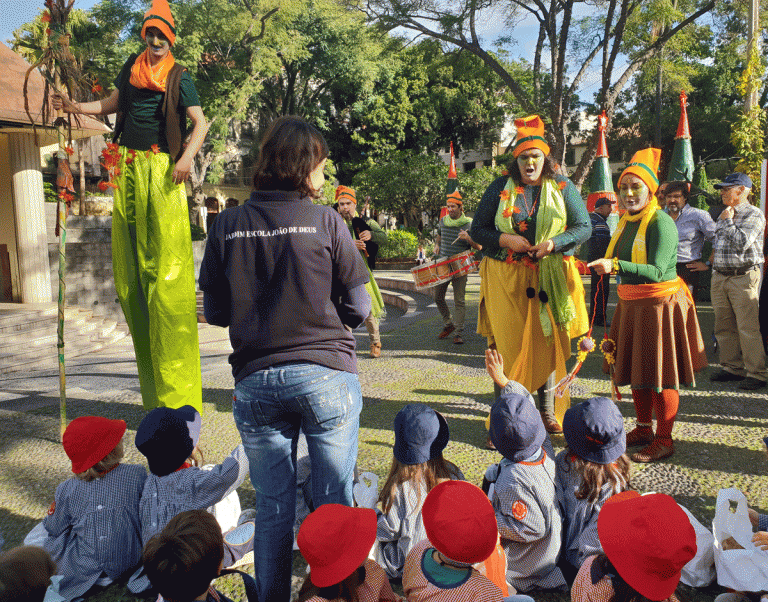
point(658, 344)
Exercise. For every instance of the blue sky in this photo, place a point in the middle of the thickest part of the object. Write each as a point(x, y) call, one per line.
point(14, 13)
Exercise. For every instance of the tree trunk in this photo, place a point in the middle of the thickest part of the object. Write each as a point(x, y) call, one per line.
point(81, 169)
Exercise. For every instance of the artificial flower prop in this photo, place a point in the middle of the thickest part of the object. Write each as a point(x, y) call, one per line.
point(586, 344)
point(504, 195)
point(522, 226)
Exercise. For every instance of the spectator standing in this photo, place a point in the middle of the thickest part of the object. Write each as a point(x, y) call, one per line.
point(694, 226)
point(598, 244)
point(366, 234)
point(738, 251)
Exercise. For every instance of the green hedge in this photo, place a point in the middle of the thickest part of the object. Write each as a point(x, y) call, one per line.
point(401, 244)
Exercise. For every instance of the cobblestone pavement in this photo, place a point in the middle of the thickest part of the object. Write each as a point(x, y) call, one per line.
point(718, 433)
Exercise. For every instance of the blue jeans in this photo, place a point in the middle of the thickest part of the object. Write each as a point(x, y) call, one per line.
point(270, 407)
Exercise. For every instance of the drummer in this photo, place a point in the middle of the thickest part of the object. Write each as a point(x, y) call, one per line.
point(453, 238)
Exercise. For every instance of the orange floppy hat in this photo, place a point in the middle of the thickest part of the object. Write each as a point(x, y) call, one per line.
point(335, 540)
point(636, 534)
point(159, 15)
point(345, 191)
point(645, 165)
point(530, 134)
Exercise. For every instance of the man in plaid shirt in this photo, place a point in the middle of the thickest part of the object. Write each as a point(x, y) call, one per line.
point(738, 249)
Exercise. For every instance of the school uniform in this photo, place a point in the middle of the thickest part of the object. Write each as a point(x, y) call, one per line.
point(529, 522)
point(375, 588)
point(426, 580)
point(94, 528)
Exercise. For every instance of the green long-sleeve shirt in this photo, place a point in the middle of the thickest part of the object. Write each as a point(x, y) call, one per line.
point(661, 245)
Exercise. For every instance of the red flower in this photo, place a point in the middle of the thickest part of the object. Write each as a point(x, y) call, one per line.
point(504, 195)
point(155, 148)
point(130, 157)
point(48, 31)
point(96, 89)
point(103, 186)
point(519, 190)
point(510, 256)
point(46, 17)
point(522, 226)
point(562, 185)
point(70, 151)
point(66, 196)
point(504, 172)
point(507, 212)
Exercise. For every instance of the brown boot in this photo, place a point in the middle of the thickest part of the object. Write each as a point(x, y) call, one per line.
point(550, 423)
point(654, 452)
point(640, 435)
point(375, 349)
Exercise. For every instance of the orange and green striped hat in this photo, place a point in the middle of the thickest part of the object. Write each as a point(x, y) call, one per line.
point(452, 194)
point(645, 165)
point(530, 134)
point(159, 15)
point(346, 192)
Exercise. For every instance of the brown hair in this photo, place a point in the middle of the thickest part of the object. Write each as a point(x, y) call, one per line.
point(290, 151)
point(345, 590)
point(594, 476)
point(25, 574)
point(548, 171)
point(623, 592)
point(682, 187)
point(101, 468)
point(183, 559)
point(428, 472)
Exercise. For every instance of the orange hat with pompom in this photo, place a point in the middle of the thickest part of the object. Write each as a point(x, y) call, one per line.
point(347, 192)
point(160, 16)
point(645, 165)
point(530, 134)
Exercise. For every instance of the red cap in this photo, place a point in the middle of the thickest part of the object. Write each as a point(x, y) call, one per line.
point(335, 540)
point(89, 439)
point(460, 522)
point(648, 539)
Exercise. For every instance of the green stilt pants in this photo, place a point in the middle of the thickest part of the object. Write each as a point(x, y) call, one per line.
point(155, 278)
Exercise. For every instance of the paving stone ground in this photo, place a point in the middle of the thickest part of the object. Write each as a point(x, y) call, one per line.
point(718, 434)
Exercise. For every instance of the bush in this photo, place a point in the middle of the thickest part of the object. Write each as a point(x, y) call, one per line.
point(401, 244)
point(197, 232)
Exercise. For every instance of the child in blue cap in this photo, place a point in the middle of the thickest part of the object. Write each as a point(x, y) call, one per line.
point(523, 493)
point(421, 435)
point(591, 469)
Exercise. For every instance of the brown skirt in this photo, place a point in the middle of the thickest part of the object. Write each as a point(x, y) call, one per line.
point(658, 343)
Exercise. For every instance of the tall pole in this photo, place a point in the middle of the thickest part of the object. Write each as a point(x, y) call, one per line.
point(754, 38)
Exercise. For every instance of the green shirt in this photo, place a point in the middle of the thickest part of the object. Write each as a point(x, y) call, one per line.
point(661, 245)
point(144, 121)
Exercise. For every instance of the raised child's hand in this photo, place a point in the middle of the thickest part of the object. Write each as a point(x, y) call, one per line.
point(494, 364)
point(760, 539)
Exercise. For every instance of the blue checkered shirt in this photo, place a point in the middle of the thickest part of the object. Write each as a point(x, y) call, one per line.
point(739, 240)
point(94, 528)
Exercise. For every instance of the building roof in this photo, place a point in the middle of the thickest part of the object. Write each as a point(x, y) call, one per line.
point(13, 117)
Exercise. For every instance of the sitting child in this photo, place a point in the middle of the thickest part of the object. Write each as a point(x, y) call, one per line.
point(523, 493)
point(646, 542)
point(186, 556)
point(93, 524)
point(335, 541)
point(421, 435)
point(461, 530)
point(591, 469)
point(25, 574)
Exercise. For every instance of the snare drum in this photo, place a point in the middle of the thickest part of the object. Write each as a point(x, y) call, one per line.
point(434, 273)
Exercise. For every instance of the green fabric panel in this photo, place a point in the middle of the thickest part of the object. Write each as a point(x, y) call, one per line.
point(155, 279)
point(601, 176)
point(661, 242)
point(681, 166)
point(144, 122)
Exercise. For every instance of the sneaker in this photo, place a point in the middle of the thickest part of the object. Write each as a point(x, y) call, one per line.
point(654, 452)
point(458, 340)
point(723, 376)
point(751, 384)
point(550, 423)
point(640, 435)
point(375, 349)
point(449, 328)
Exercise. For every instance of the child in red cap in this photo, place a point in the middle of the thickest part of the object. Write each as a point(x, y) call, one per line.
point(461, 530)
point(93, 524)
point(335, 541)
point(647, 540)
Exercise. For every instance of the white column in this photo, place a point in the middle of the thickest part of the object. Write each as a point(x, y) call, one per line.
point(29, 207)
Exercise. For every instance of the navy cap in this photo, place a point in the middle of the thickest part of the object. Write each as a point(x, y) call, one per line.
point(602, 201)
point(421, 434)
point(163, 437)
point(516, 427)
point(765, 440)
point(194, 422)
point(735, 179)
point(594, 430)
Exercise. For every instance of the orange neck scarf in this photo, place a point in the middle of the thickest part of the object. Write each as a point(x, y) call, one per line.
point(144, 75)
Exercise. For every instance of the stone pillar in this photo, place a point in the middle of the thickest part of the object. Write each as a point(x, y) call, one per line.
point(29, 207)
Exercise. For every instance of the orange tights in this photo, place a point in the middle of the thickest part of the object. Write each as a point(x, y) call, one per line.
point(665, 404)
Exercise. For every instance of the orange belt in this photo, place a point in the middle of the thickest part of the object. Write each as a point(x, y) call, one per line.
point(633, 292)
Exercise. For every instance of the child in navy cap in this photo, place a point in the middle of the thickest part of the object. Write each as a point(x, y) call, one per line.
point(591, 469)
point(421, 435)
point(523, 492)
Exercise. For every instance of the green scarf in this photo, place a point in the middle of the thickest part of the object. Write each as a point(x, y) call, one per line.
point(460, 221)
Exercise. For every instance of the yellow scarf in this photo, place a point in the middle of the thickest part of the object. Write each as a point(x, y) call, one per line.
point(639, 249)
point(144, 75)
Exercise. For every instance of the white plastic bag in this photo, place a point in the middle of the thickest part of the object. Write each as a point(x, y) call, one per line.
point(700, 570)
point(742, 570)
point(227, 511)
